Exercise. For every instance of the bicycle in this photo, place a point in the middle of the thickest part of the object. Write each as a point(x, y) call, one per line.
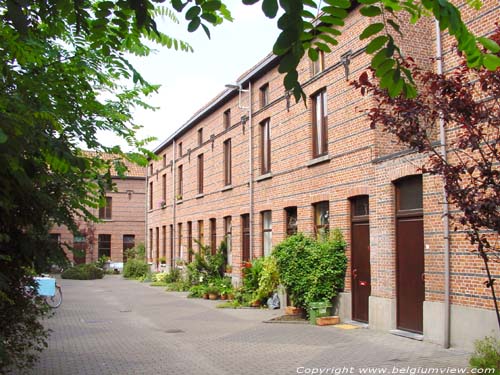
point(50, 291)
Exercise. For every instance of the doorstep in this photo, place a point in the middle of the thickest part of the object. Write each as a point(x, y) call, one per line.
point(407, 334)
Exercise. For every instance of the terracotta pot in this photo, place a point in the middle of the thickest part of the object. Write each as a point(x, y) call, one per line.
point(327, 320)
point(212, 296)
point(292, 310)
point(205, 295)
point(223, 297)
point(230, 296)
point(255, 304)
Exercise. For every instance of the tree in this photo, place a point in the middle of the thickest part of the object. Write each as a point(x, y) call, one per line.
point(467, 101)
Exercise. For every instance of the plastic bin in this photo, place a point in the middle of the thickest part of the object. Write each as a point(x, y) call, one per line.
point(317, 310)
point(46, 286)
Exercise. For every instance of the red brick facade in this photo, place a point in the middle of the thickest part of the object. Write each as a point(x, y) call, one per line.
point(359, 161)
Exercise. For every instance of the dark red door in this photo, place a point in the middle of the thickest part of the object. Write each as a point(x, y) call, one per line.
point(411, 287)
point(361, 286)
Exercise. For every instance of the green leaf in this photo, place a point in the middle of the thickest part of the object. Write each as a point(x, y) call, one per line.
point(380, 57)
point(178, 5)
point(376, 44)
point(270, 8)
point(489, 44)
point(491, 62)
point(194, 24)
point(386, 80)
point(371, 30)
point(395, 26)
point(3, 136)
point(212, 5)
point(291, 79)
point(345, 4)
point(370, 11)
point(193, 12)
point(313, 54)
point(384, 68)
point(368, 2)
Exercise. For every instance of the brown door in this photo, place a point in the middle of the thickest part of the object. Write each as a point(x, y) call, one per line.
point(410, 255)
point(360, 258)
point(245, 237)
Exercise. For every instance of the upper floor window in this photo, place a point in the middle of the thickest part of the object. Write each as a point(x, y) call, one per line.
point(267, 232)
point(200, 174)
point(201, 233)
point(227, 119)
point(151, 169)
point(179, 147)
point(151, 195)
point(164, 160)
point(319, 65)
point(164, 188)
point(179, 182)
point(321, 218)
point(264, 95)
point(319, 123)
point(200, 136)
point(227, 162)
point(265, 146)
point(105, 212)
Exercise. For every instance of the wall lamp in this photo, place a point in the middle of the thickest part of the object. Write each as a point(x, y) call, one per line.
point(240, 89)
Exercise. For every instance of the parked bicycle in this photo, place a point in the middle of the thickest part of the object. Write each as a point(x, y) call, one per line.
point(50, 291)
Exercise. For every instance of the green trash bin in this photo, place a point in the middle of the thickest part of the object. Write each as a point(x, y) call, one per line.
point(318, 309)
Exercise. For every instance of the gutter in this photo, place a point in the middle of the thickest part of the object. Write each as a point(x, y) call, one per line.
point(446, 209)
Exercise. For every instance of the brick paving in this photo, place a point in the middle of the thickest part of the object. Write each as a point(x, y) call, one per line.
point(116, 326)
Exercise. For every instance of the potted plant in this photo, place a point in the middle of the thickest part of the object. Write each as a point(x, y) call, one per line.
point(163, 204)
point(162, 260)
point(225, 292)
point(229, 268)
point(213, 292)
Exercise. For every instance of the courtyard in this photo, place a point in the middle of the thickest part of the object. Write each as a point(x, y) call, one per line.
point(117, 326)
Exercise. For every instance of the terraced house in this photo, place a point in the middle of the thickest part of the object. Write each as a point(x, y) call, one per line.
point(253, 166)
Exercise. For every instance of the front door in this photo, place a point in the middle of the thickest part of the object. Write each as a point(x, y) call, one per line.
point(410, 255)
point(360, 258)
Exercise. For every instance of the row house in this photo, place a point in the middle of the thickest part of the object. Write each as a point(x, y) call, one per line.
point(121, 225)
point(254, 166)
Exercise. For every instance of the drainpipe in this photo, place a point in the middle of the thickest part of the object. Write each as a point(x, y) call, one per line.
point(174, 205)
point(146, 212)
point(446, 219)
point(250, 163)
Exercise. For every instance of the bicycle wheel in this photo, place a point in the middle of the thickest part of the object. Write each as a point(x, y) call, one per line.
point(55, 300)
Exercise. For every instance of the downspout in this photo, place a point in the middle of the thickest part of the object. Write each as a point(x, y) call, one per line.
point(146, 214)
point(174, 201)
point(446, 219)
point(250, 163)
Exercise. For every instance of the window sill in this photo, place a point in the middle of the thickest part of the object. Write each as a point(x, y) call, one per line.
point(264, 177)
point(179, 201)
point(227, 187)
point(198, 196)
point(106, 220)
point(318, 160)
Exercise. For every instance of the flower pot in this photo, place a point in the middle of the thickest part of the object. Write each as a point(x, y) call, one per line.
point(292, 310)
point(205, 295)
point(213, 296)
point(255, 303)
point(223, 297)
point(327, 320)
point(230, 296)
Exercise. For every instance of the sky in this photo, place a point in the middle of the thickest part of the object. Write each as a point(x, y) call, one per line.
point(190, 80)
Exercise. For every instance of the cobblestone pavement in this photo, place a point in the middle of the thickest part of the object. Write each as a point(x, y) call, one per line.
point(116, 326)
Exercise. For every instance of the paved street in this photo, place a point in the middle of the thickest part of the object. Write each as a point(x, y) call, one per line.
point(115, 326)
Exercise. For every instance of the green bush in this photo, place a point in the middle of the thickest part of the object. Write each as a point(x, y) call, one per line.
point(268, 278)
point(312, 270)
point(135, 269)
point(83, 272)
point(197, 291)
point(486, 354)
point(137, 252)
point(205, 266)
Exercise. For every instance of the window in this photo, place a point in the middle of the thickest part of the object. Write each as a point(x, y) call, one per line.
point(291, 220)
point(150, 250)
point(172, 243)
point(321, 218)
point(179, 147)
point(228, 237)
point(105, 212)
point(319, 65)
point(360, 206)
point(264, 95)
point(157, 253)
point(151, 195)
point(151, 169)
point(190, 239)
point(200, 136)
point(179, 241)
point(164, 160)
point(227, 162)
point(201, 233)
point(104, 245)
point(320, 124)
point(245, 237)
point(79, 248)
point(164, 241)
point(164, 189)
point(267, 232)
point(265, 146)
point(409, 196)
point(227, 119)
point(213, 235)
point(128, 243)
point(200, 174)
point(179, 182)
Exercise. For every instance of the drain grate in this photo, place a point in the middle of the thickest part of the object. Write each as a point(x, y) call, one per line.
point(174, 331)
point(97, 321)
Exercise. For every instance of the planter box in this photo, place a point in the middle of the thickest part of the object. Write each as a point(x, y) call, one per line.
point(327, 320)
point(292, 310)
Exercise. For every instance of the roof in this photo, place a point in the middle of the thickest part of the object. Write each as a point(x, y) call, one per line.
point(134, 170)
point(257, 70)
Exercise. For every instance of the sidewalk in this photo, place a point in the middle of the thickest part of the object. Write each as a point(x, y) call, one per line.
point(116, 326)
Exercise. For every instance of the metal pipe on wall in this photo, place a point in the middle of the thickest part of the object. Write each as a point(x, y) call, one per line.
point(250, 163)
point(446, 209)
point(172, 240)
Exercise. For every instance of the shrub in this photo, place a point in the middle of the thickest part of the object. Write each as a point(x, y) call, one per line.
point(137, 252)
point(101, 262)
point(486, 354)
point(135, 269)
point(83, 272)
point(197, 291)
point(268, 278)
point(251, 275)
point(206, 266)
point(311, 269)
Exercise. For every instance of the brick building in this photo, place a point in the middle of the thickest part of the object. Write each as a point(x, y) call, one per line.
point(253, 166)
point(122, 225)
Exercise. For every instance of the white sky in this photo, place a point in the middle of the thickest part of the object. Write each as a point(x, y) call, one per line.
point(190, 80)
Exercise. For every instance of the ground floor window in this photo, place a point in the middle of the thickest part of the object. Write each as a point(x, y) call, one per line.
point(128, 243)
point(321, 218)
point(267, 232)
point(104, 245)
point(291, 220)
